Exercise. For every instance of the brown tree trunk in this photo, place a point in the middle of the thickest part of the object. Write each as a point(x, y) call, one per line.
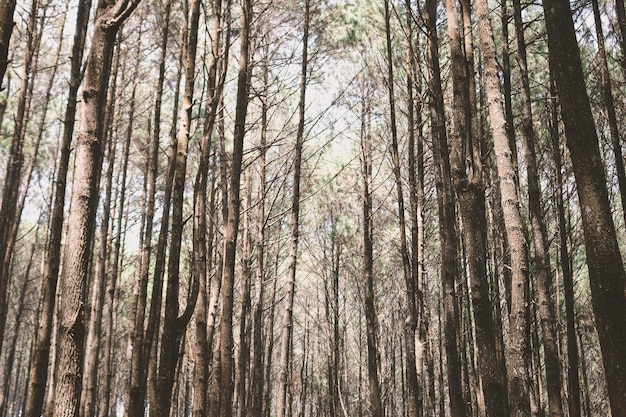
point(174, 325)
point(518, 378)
point(7, 9)
point(9, 217)
point(573, 379)
point(232, 220)
point(609, 103)
point(542, 258)
point(287, 330)
point(84, 198)
point(468, 182)
point(39, 369)
point(135, 396)
point(606, 269)
point(371, 320)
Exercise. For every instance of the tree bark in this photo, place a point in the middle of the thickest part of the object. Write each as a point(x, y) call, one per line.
point(7, 9)
point(542, 258)
point(371, 320)
point(89, 142)
point(39, 369)
point(287, 330)
point(518, 378)
point(606, 269)
point(232, 220)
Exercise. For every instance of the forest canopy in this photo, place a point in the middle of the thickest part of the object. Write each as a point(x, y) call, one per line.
point(255, 208)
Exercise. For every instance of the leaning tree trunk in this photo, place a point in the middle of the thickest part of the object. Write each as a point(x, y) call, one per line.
point(88, 147)
point(287, 330)
point(542, 258)
point(606, 269)
point(518, 378)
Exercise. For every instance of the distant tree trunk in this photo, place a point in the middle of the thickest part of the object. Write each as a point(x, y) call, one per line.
point(84, 198)
point(256, 373)
point(573, 379)
point(9, 218)
point(174, 325)
point(7, 9)
point(606, 269)
point(39, 370)
point(202, 256)
point(371, 320)
point(518, 378)
point(232, 220)
point(621, 21)
point(287, 330)
point(609, 103)
point(414, 405)
point(134, 400)
point(542, 258)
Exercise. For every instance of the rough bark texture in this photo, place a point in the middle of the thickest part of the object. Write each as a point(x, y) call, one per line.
point(232, 220)
point(517, 372)
point(39, 369)
point(88, 147)
point(606, 269)
point(543, 271)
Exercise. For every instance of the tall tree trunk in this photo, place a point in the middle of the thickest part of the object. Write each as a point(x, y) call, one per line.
point(468, 182)
point(174, 325)
point(450, 267)
point(9, 218)
point(232, 220)
point(89, 144)
point(518, 378)
point(375, 395)
point(202, 256)
point(606, 269)
point(573, 378)
point(609, 103)
point(287, 330)
point(134, 398)
point(39, 369)
point(542, 258)
point(258, 386)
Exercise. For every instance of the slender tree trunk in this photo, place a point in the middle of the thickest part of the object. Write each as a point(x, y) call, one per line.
point(258, 386)
point(609, 103)
point(542, 258)
point(573, 379)
point(232, 220)
point(9, 218)
point(606, 269)
point(375, 395)
point(39, 369)
point(89, 145)
point(621, 22)
point(518, 378)
point(174, 325)
point(287, 330)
